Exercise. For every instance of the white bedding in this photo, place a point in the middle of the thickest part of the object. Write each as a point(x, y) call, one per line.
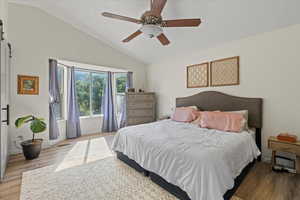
point(200, 161)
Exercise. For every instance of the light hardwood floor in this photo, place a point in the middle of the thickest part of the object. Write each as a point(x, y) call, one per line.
point(260, 184)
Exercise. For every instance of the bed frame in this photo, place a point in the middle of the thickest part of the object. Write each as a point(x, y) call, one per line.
point(211, 101)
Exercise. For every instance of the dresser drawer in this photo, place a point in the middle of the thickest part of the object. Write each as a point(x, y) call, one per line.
point(279, 146)
point(140, 113)
point(140, 105)
point(139, 120)
point(140, 97)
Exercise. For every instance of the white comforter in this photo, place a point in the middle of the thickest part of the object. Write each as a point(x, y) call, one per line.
point(200, 161)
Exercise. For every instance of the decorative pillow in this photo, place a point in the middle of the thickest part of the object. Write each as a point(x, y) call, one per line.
point(197, 121)
point(185, 114)
point(246, 117)
point(194, 107)
point(232, 122)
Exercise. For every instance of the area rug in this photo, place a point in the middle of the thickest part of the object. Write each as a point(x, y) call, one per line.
point(104, 179)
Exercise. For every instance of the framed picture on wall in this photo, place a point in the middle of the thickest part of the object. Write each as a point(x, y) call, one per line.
point(197, 75)
point(225, 72)
point(28, 85)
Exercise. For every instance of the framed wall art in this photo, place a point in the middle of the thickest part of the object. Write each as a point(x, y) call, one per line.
point(225, 72)
point(197, 75)
point(28, 85)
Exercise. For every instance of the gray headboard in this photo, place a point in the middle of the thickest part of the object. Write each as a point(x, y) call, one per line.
point(211, 100)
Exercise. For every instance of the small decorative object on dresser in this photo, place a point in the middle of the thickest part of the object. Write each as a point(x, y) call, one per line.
point(284, 146)
point(130, 90)
point(28, 85)
point(163, 117)
point(140, 108)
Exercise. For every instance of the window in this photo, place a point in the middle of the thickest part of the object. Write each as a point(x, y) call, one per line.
point(59, 107)
point(121, 79)
point(98, 86)
point(89, 89)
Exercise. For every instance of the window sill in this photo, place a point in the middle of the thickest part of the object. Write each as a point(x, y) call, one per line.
point(61, 120)
point(93, 116)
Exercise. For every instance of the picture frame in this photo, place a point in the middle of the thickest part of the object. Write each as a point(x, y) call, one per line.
point(225, 72)
point(198, 75)
point(28, 85)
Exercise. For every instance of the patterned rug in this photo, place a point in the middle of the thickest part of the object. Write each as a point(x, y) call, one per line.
point(90, 178)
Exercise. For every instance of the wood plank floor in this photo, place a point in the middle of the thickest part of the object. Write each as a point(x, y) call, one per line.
point(260, 184)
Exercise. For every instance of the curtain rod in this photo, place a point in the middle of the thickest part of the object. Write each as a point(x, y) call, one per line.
point(87, 69)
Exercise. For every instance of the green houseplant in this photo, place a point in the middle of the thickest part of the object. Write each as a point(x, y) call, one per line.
point(32, 148)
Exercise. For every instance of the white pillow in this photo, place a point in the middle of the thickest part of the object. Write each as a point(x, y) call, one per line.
point(193, 107)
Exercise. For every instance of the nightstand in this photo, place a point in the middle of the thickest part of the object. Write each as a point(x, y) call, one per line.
point(277, 145)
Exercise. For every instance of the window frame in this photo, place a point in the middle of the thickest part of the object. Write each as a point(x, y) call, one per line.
point(90, 72)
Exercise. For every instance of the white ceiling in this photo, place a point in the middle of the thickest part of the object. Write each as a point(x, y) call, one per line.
point(223, 21)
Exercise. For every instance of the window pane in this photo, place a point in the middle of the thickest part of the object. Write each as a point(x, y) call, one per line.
point(121, 79)
point(98, 85)
point(60, 72)
point(83, 83)
point(120, 99)
point(59, 106)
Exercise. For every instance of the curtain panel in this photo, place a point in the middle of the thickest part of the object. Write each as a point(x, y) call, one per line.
point(109, 123)
point(54, 99)
point(73, 118)
point(129, 84)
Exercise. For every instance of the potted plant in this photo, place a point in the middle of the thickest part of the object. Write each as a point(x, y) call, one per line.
point(32, 148)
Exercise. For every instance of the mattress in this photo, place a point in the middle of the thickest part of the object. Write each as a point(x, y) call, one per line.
point(202, 162)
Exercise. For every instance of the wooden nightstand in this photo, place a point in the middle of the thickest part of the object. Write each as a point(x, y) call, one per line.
point(277, 145)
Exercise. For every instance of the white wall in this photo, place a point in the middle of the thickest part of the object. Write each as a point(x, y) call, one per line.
point(36, 37)
point(270, 69)
point(3, 15)
point(4, 134)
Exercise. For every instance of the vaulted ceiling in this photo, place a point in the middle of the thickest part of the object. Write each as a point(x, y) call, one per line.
point(222, 21)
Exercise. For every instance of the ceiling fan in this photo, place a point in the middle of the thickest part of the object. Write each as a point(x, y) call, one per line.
point(152, 22)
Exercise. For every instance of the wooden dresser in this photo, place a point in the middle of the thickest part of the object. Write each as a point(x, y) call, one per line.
point(140, 108)
point(277, 145)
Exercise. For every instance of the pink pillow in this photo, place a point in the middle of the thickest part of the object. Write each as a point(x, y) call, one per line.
point(185, 114)
point(197, 120)
point(233, 122)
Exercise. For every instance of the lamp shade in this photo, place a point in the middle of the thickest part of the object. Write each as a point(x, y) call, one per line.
point(151, 31)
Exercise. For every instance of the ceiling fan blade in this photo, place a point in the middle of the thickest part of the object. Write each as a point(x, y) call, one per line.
point(132, 36)
point(163, 39)
point(181, 23)
point(123, 18)
point(157, 6)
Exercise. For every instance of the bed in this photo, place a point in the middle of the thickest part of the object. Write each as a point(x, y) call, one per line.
point(192, 162)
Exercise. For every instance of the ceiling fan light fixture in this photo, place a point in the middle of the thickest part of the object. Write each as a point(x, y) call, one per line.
point(151, 31)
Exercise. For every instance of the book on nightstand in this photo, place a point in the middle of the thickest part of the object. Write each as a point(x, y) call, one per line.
point(287, 137)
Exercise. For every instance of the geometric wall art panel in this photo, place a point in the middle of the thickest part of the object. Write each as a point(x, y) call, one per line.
point(225, 72)
point(197, 75)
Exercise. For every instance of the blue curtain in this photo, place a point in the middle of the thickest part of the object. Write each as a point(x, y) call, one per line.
point(109, 116)
point(73, 121)
point(129, 84)
point(54, 99)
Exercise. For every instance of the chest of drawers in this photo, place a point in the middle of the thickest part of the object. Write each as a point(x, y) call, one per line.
point(140, 108)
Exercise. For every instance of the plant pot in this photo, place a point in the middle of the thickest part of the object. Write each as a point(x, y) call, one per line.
point(32, 149)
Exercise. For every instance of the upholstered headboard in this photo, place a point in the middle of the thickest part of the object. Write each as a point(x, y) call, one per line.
point(212, 100)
